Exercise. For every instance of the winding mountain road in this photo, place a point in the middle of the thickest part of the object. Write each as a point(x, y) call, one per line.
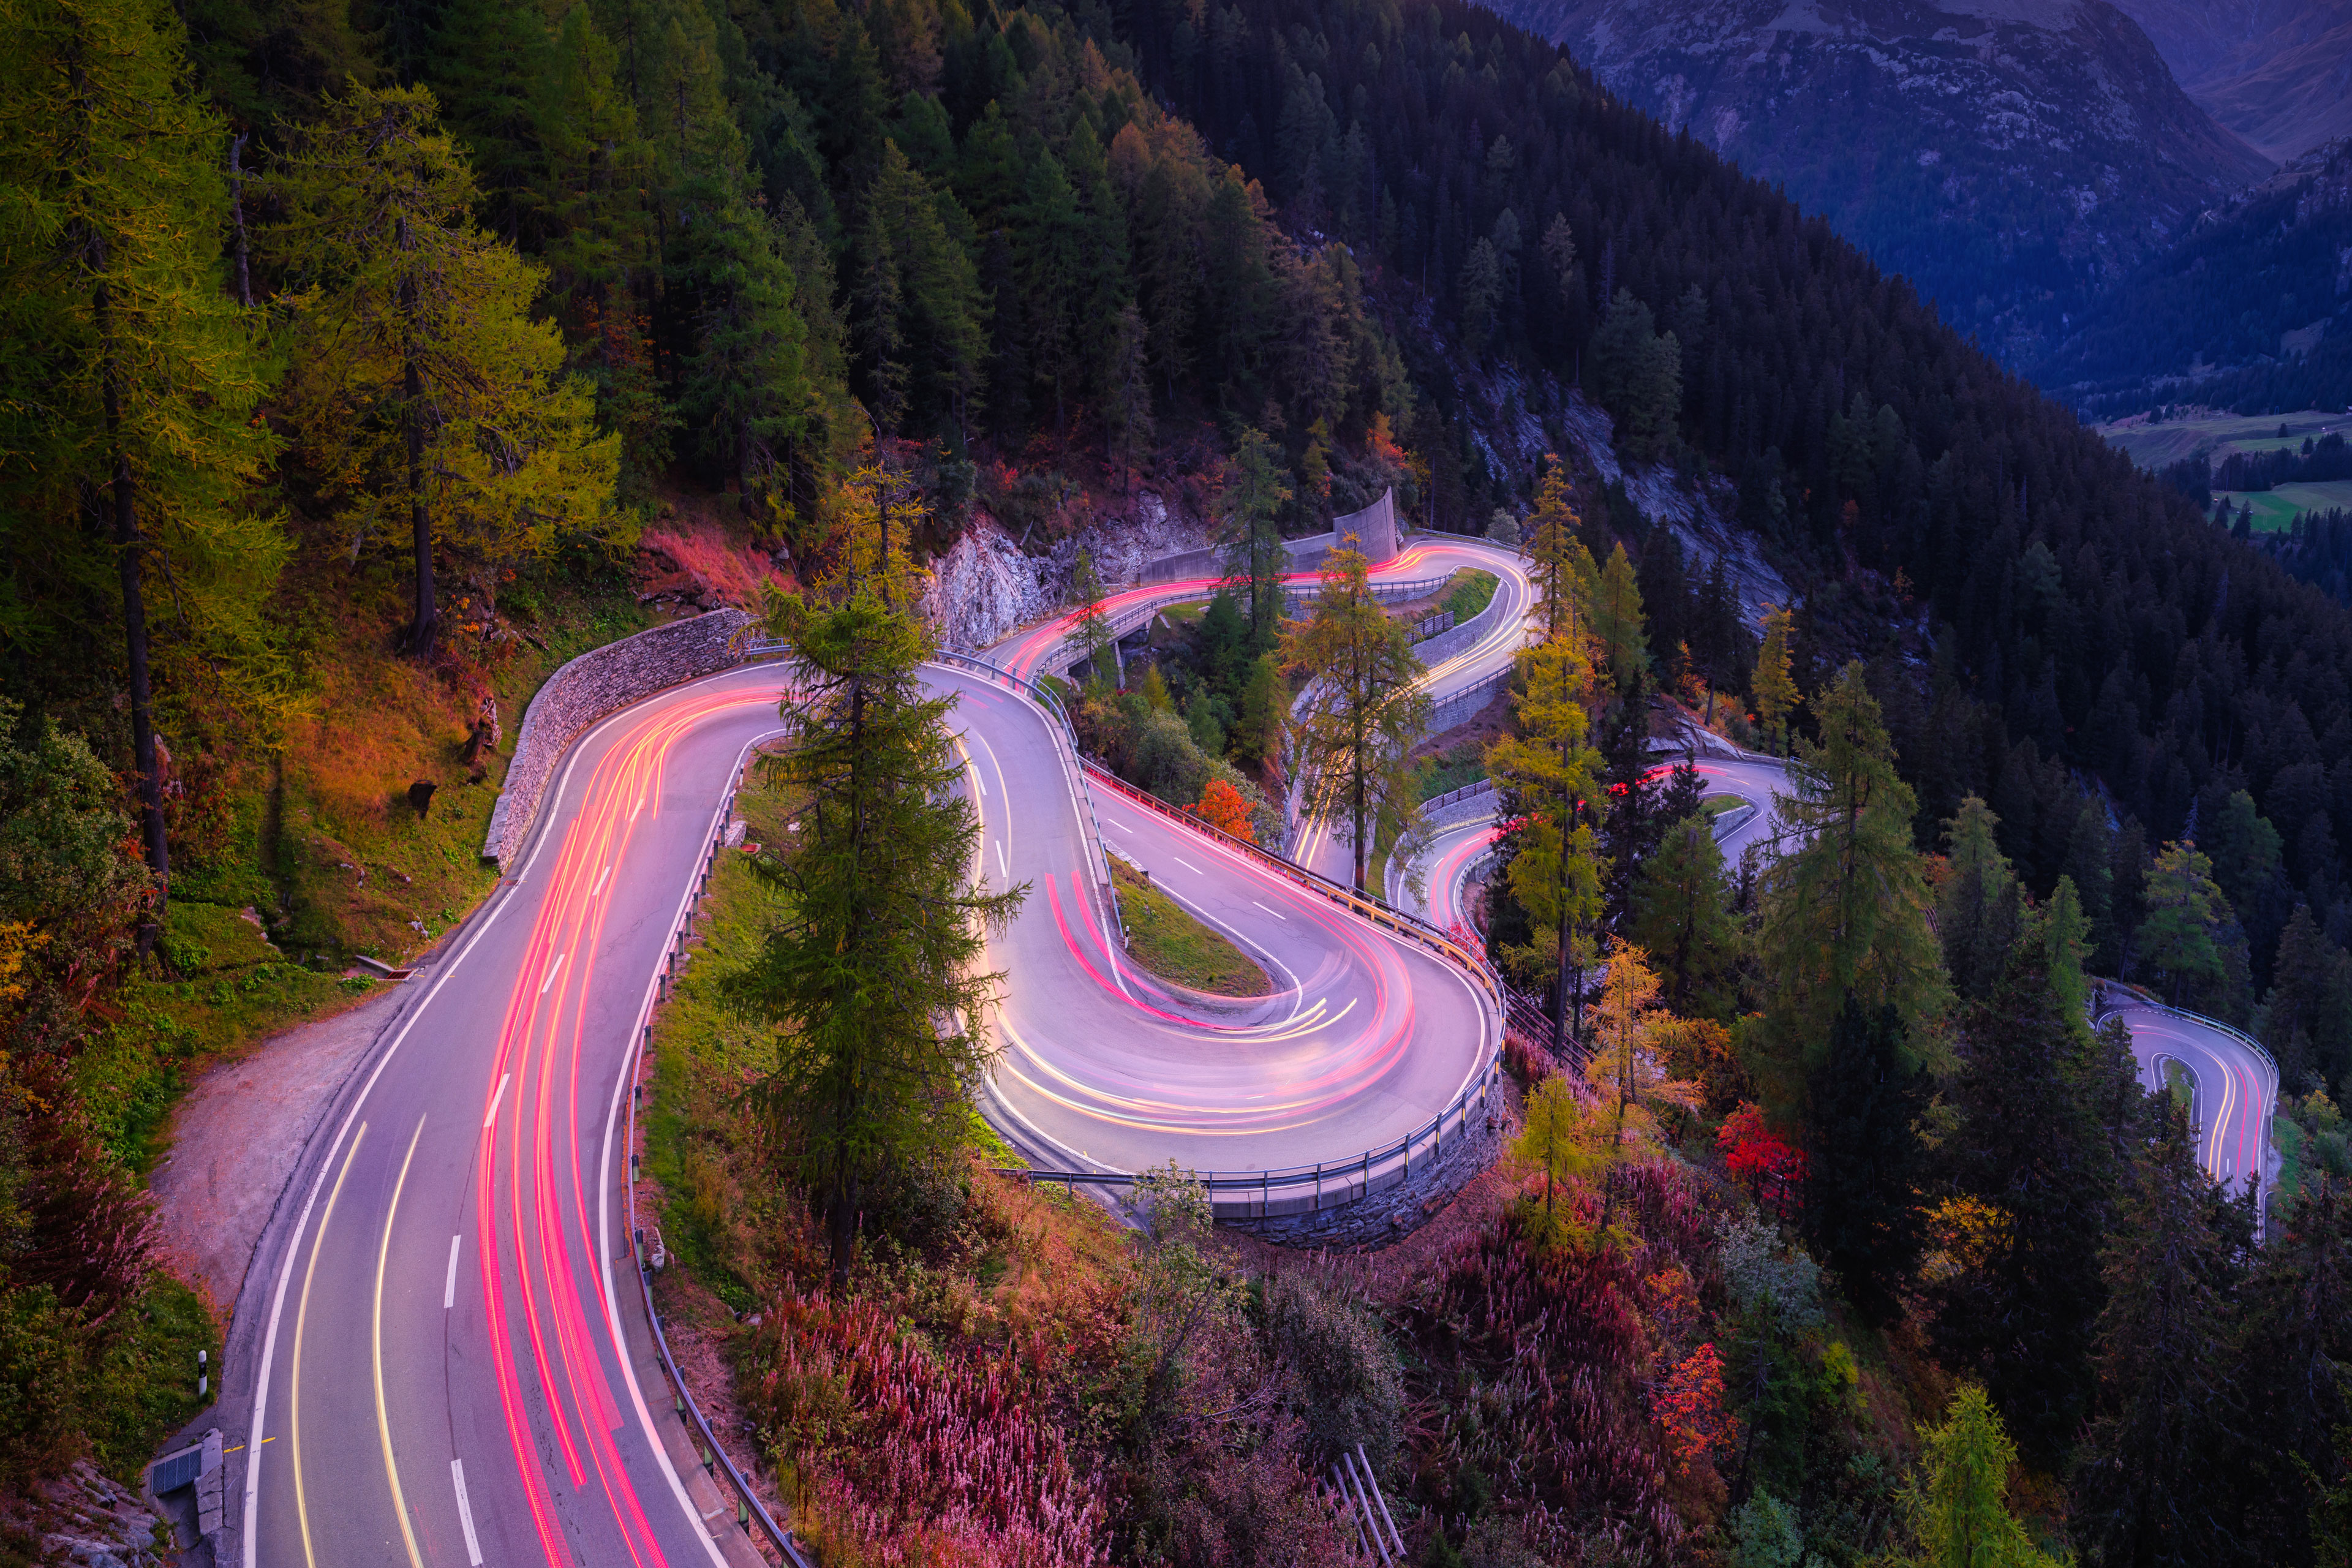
point(441, 1356)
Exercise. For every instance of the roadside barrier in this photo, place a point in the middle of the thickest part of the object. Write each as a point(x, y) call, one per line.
point(748, 1508)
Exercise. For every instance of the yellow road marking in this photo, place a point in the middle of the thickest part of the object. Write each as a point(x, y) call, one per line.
point(301, 1313)
point(383, 1424)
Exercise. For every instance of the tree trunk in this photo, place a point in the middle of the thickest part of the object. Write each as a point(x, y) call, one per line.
point(422, 634)
point(237, 207)
point(127, 550)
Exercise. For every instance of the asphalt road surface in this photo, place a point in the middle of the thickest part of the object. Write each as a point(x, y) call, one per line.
point(2235, 1085)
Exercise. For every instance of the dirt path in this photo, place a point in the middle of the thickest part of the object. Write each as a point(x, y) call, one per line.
point(236, 1136)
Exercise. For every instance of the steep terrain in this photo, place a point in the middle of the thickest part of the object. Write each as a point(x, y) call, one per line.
point(2277, 72)
point(2252, 311)
point(2008, 158)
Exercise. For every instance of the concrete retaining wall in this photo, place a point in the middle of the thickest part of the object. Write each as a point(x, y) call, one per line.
point(1388, 1213)
point(599, 682)
point(1466, 704)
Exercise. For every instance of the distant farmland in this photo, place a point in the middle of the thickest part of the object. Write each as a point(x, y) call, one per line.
point(2275, 509)
point(2154, 446)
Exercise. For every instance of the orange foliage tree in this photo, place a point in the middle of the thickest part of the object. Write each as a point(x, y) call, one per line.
point(1688, 1406)
point(1223, 808)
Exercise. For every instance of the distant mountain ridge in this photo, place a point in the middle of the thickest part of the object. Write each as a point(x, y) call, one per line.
point(2250, 312)
point(2277, 72)
point(2009, 157)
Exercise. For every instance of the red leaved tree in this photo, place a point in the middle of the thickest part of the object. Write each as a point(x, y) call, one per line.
point(1773, 1169)
point(1689, 1409)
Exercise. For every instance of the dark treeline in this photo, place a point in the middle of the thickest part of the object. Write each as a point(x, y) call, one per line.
point(2328, 459)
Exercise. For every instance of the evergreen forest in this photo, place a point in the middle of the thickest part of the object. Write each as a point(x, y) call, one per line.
point(362, 361)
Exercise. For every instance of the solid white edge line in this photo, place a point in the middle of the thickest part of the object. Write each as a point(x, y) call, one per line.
point(449, 1285)
point(491, 1118)
point(466, 1514)
point(408, 1021)
point(604, 1200)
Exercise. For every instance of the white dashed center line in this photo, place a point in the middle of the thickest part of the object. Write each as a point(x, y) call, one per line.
point(1186, 864)
point(1277, 914)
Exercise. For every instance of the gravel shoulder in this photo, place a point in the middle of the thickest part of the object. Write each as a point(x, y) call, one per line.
point(236, 1137)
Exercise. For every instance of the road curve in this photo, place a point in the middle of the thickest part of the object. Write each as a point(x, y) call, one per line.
point(2235, 1083)
point(448, 1369)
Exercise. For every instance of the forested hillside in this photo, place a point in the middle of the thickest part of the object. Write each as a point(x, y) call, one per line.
point(373, 340)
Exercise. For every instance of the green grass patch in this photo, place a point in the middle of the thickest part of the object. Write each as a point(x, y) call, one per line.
point(1164, 939)
point(2275, 510)
point(228, 990)
point(2181, 1086)
point(1469, 592)
point(702, 1143)
point(2287, 1134)
point(1717, 804)
point(1454, 768)
point(142, 1388)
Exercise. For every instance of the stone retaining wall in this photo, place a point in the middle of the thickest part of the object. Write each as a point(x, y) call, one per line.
point(1390, 1213)
point(1467, 704)
point(599, 682)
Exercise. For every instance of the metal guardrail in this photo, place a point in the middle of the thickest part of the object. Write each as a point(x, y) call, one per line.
point(2200, 1020)
point(1295, 588)
point(1483, 786)
point(1331, 1184)
point(748, 1508)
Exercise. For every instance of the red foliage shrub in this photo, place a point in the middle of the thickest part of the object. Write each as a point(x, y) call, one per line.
point(1688, 1407)
point(1755, 1154)
point(1555, 1340)
point(907, 1457)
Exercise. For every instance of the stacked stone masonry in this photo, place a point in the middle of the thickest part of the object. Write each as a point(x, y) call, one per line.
point(599, 682)
point(1352, 1218)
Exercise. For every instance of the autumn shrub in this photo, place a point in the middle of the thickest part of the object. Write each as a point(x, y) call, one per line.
point(1546, 1349)
point(904, 1454)
point(1350, 1388)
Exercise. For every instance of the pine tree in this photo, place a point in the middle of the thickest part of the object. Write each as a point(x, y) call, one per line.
point(128, 443)
point(423, 392)
point(2307, 1017)
point(1681, 919)
point(1844, 913)
point(1249, 529)
point(1363, 713)
point(2147, 1487)
point(1863, 1160)
point(1562, 568)
point(873, 980)
point(2033, 1145)
point(2287, 1363)
point(1979, 908)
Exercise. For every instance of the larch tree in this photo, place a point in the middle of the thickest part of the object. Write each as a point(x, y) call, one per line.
point(2179, 936)
point(1553, 771)
point(872, 981)
point(130, 452)
point(1844, 911)
point(1627, 1067)
point(1090, 628)
point(1557, 558)
point(1618, 625)
point(1961, 1516)
point(1363, 713)
point(1775, 686)
point(424, 394)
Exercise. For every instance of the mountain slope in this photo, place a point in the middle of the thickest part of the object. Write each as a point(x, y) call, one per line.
point(2007, 157)
point(2252, 311)
point(2277, 72)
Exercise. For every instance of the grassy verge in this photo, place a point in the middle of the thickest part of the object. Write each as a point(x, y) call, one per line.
point(2291, 1139)
point(232, 991)
point(1457, 765)
point(1718, 804)
point(1470, 592)
point(1174, 945)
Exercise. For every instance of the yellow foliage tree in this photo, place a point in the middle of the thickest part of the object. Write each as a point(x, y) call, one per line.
point(1776, 686)
point(423, 393)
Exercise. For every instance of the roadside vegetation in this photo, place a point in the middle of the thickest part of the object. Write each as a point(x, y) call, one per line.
point(1173, 943)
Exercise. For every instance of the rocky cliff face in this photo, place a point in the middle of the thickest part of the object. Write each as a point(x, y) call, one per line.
point(985, 585)
point(2277, 72)
point(2007, 156)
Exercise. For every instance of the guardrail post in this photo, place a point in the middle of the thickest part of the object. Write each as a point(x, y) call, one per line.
point(1318, 1186)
